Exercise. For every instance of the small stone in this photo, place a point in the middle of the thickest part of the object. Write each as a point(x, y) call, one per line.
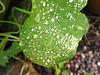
point(83, 56)
point(71, 73)
point(84, 48)
point(98, 63)
point(68, 65)
point(91, 56)
point(76, 66)
point(90, 52)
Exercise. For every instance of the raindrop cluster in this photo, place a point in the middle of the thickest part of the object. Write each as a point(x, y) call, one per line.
point(48, 35)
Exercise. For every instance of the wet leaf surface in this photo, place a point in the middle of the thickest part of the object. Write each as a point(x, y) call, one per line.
point(52, 32)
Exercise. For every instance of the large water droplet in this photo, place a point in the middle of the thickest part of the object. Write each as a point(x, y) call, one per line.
point(46, 31)
point(32, 30)
point(46, 22)
point(22, 43)
point(44, 4)
point(70, 1)
point(48, 60)
point(51, 9)
point(35, 36)
point(52, 19)
point(39, 27)
point(57, 36)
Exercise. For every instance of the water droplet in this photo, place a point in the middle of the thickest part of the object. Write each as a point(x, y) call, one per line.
point(35, 36)
point(28, 37)
point(51, 9)
point(39, 27)
point(51, 52)
point(46, 22)
point(46, 31)
point(48, 60)
point(46, 63)
point(52, 4)
point(66, 34)
point(57, 36)
point(41, 2)
point(24, 31)
point(40, 36)
point(41, 57)
point(47, 4)
point(40, 31)
point(44, 3)
point(30, 45)
point(43, 60)
point(70, 1)
point(32, 30)
point(52, 19)
point(62, 9)
point(52, 29)
point(44, 13)
point(21, 43)
point(43, 17)
point(33, 46)
point(43, 9)
point(56, 17)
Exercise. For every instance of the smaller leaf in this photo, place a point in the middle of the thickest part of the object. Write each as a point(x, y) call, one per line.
point(61, 65)
point(65, 72)
point(5, 55)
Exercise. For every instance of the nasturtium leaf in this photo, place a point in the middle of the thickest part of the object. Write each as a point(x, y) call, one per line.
point(52, 32)
point(5, 55)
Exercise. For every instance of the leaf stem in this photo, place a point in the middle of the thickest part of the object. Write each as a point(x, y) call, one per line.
point(23, 64)
point(9, 39)
point(5, 34)
point(56, 69)
point(3, 7)
point(22, 10)
point(14, 24)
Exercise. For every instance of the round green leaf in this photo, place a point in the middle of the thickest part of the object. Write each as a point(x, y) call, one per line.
point(52, 32)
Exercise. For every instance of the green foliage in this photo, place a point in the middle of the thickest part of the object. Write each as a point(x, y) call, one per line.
point(5, 55)
point(52, 32)
point(61, 65)
point(88, 74)
point(65, 72)
point(58, 70)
